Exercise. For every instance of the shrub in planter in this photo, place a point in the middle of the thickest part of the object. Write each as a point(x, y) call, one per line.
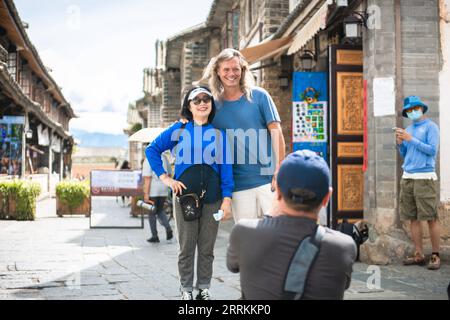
point(72, 197)
point(26, 201)
point(21, 199)
point(3, 200)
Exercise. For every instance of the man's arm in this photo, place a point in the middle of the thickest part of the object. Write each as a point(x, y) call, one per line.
point(402, 149)
point(233, 251)
point(146, 189)
point(429, 147)
point(352, 253)
point(278, 146)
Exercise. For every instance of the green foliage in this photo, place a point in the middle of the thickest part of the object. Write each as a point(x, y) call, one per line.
point(24, 194)
point(26, 201)
point(72, 193)
point(136, 127)
point(3, 199)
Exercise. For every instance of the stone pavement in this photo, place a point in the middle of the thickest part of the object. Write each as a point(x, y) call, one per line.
point(61, 258)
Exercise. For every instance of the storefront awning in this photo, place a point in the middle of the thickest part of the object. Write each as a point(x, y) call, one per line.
point(310, 29)
point(266, 50)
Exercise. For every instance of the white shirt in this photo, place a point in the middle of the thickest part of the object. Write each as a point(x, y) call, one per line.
point(420, 176)
point(157, 188)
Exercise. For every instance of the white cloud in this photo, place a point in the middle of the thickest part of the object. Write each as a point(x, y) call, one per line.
point(98, 49)
point(106, 122)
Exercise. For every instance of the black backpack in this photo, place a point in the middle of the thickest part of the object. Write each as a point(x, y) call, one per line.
point(359, 236)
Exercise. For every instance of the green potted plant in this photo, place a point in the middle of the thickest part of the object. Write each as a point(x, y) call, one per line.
point(3, 199)
point(26, 201)
point(73, 197)
point(18, 200)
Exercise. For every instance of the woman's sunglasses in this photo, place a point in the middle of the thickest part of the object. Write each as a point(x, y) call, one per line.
point(197, 101)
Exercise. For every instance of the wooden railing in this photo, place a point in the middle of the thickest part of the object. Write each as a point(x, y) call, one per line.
point(3, 54)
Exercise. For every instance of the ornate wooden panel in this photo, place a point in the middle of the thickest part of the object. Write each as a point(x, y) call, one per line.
point(350, 149)
point(349, 57)
point(350, 107)
point(350, 188)
point(346, 134)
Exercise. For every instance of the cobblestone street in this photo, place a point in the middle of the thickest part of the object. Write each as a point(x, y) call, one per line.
point(61, 258)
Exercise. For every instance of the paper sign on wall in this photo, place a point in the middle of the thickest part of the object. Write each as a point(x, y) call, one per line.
point(383, 97)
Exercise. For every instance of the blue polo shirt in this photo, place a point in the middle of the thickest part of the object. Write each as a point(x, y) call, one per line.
point(245, 123)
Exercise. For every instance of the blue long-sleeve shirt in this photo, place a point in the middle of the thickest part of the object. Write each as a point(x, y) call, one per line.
point(195, 145)
point(419, 154)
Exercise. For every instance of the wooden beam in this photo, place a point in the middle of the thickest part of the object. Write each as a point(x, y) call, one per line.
point(399, 93)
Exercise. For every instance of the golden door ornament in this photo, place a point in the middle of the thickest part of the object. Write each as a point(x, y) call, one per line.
point(351, 188)
point(350, 149)
point(350, 103)
point(349, 57)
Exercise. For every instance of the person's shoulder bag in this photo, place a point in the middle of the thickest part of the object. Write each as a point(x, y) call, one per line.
point(301, 263)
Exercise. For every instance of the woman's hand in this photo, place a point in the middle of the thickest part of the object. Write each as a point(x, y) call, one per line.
point(176, 186)
point(226, 208)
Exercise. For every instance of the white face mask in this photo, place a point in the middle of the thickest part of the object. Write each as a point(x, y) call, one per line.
point(415, 115)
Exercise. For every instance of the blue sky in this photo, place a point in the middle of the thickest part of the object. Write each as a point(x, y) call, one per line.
point(98, 49)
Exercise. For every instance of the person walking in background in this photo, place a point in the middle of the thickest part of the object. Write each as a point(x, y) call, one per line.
point(125, 166)
point(201, 168)
point(155, 193)
point(418, 146)
point(245, 111)
point(262, 249)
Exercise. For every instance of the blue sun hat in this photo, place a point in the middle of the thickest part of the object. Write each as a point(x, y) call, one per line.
point(413, 101)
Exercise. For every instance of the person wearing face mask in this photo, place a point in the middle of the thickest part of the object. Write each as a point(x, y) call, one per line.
point(418, 145)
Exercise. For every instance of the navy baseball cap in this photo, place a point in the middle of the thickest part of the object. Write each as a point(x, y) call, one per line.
point(306, 171)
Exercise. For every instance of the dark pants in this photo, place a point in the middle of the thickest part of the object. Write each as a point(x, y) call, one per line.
point(197, 235)
point(161, 214)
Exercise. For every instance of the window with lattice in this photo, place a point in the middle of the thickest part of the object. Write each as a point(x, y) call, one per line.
point(12, 64)
point(25, 81)
point(232, 39)
point(39, 95)
point(47, 102)
point(199, 53)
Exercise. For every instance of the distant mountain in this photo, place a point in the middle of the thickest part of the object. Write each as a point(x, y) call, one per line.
point(97, 139)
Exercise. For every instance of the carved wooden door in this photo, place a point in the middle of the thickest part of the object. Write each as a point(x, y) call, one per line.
point(346, 143)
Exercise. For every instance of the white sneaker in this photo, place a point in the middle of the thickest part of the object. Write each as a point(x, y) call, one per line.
point(187, 295)
point(203, 294)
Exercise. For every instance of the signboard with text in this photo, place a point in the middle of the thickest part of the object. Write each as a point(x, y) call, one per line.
point(116, 183)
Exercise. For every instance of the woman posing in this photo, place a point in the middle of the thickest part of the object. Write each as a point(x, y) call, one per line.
point(202, 167)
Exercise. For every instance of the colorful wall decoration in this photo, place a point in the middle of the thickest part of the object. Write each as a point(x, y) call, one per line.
point(11, 130)
point(310, 112)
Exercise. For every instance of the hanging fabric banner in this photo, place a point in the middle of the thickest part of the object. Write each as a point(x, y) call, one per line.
point(43, 136)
